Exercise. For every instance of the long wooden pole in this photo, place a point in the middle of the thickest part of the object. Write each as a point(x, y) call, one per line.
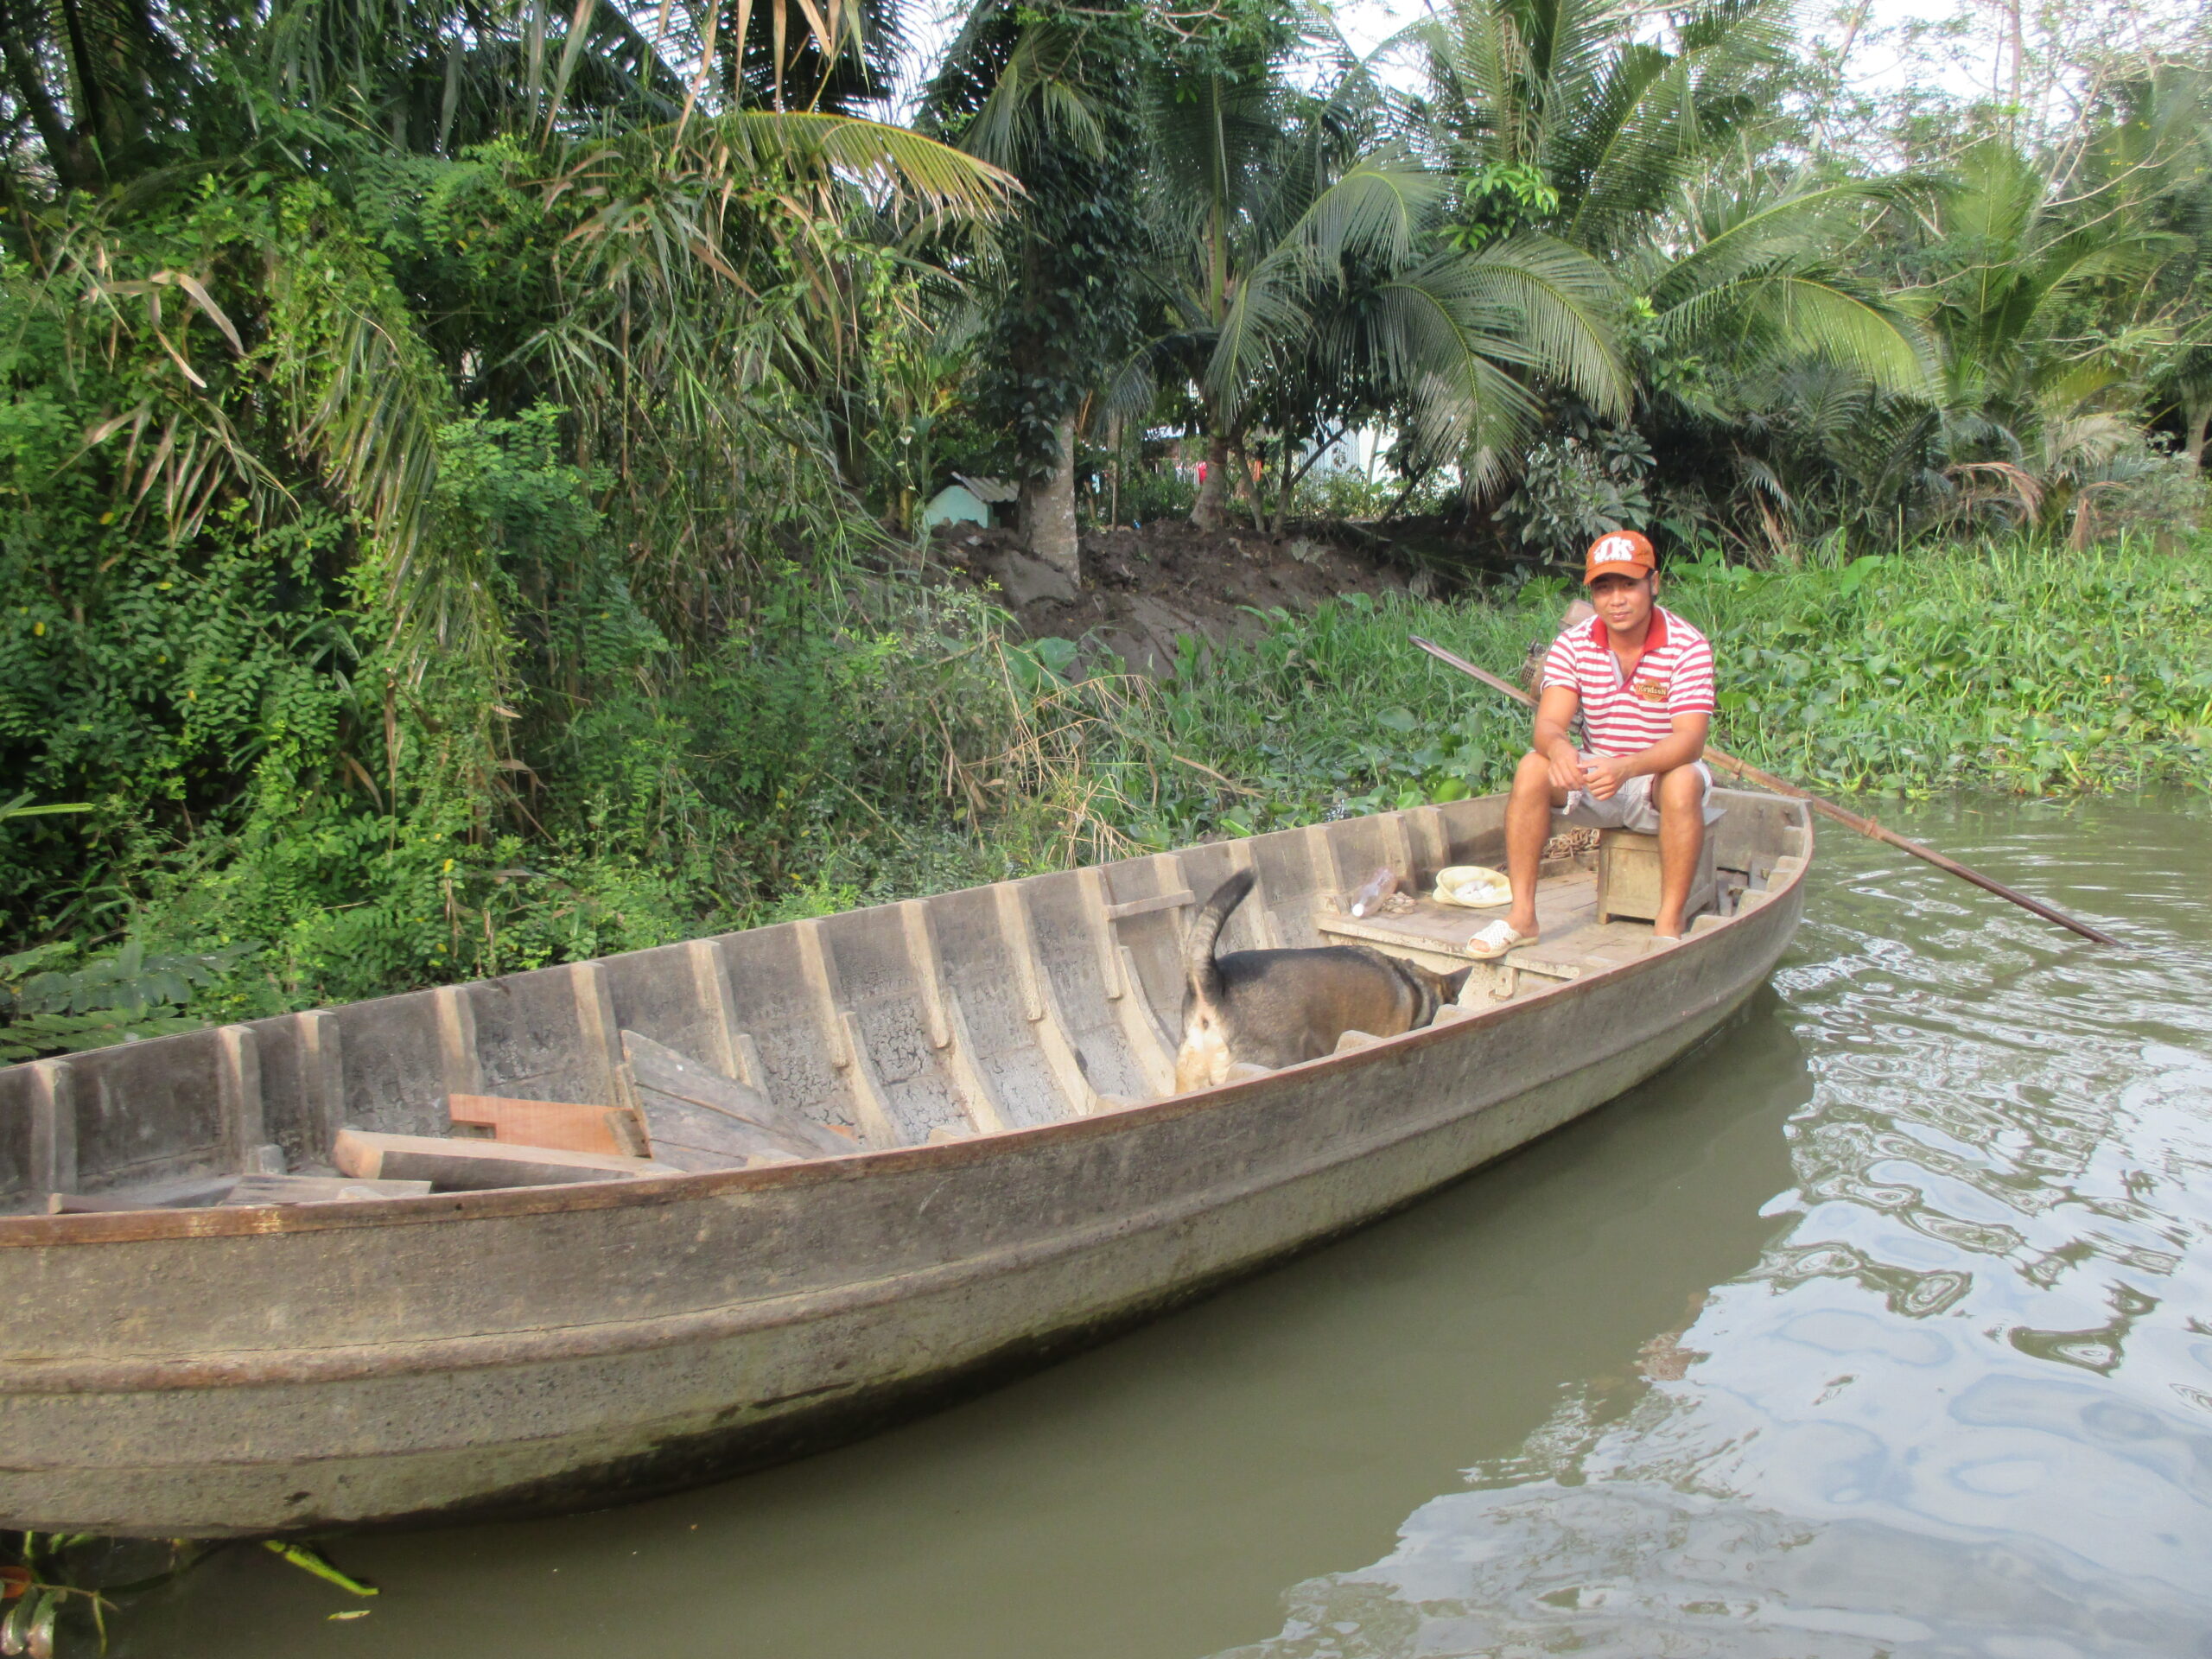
point(1826, 807)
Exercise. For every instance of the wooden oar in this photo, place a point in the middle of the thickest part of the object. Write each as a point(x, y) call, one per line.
point(1826, 807)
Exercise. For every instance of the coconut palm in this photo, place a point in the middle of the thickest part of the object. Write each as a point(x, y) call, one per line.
point(1048, 92)
point(2009, 274)
point(2154, 163)
point(1301, 276)
point(1752, 273)
point(1754, 327)
point(1768, 364)
point(1981, 386)
point(1555, 113)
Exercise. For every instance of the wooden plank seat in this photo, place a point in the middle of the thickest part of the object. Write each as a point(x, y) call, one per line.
point(609, 1131)
point(686, 1117)
point(1571, 941)
point(699, 1119)
point(1435, 934)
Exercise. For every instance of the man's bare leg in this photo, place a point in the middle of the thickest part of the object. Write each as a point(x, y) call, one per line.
point(1682, 834)
point(1528, 827)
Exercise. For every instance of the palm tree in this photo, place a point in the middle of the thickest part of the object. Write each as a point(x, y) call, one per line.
point(701, 264)
point(1554, 114)
point(1049, 93)
point(1761, 346)
point(1767, 359)
point(2006, 263)
point(1300, 275)
point(2154, 162)
point(1753, 272)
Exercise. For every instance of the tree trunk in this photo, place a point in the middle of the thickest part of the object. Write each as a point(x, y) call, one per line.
point(1048, 509)
point(1114, 496)
point(1208, 510)
point(2200, 418)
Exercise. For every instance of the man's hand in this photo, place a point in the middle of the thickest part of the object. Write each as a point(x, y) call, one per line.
point(1566, 766)
point(1606, 773)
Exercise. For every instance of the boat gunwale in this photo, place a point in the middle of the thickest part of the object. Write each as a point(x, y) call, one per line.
point(152, 1225)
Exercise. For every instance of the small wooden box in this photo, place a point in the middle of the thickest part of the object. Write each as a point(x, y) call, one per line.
point(1628, 877)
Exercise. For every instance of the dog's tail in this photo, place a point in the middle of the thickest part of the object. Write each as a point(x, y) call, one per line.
point(1200, 972)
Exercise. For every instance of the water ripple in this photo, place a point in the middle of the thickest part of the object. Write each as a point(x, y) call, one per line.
point(1963, 1404)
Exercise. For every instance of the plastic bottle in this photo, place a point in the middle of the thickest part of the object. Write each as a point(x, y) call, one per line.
point(1367, 897)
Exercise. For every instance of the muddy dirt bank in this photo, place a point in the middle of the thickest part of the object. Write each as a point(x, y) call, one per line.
point(1143, 589)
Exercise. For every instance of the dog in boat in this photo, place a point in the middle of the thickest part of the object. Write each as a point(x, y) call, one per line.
point(1277, 1007)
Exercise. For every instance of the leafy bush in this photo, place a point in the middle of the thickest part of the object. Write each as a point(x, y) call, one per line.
point(1352, 497)
point(1150, 493)
point(47, 1006)
point(2149, 496)
point(1574, 490)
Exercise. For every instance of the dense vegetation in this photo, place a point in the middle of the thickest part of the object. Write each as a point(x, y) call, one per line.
point(1996, 667)
point(460, 463)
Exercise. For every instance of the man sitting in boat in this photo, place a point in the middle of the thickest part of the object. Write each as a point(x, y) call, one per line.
point(1641, 680)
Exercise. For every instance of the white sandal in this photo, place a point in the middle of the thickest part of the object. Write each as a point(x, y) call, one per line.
point(1495, 940)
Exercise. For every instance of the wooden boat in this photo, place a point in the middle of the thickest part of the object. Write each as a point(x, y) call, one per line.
point(1018, 1183)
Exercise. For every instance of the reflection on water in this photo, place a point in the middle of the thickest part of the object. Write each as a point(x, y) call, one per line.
point(1880, 1325)
point(1963, 1405)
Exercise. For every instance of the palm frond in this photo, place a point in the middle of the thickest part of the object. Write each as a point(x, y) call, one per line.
point(1781, 311)
point(1263, 309)
point(1656, 115)
point(1214, 131)
point(934, 175)
point(1748, 234)
point(1439, 348)
point(1033, 99)
point(1565, 301)
point(1374, 211)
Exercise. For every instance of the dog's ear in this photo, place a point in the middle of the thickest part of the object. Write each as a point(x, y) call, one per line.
point(1448, 986)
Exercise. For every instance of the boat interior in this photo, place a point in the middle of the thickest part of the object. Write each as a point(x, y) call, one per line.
point(970, 1013)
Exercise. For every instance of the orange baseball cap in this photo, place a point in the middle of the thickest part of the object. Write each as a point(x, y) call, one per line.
point(1620, 553)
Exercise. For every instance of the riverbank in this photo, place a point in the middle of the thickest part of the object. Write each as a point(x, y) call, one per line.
point(2005, 670)
point(833, 758)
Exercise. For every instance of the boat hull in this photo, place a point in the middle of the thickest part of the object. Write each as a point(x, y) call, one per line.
point(502, 1353)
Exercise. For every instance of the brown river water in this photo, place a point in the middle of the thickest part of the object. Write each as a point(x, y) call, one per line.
point(1882, 1324)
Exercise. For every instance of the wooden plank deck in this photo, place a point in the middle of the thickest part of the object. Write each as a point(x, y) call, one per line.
point(1571, 941)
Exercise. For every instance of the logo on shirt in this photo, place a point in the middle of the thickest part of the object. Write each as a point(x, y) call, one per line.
point(1650, 690)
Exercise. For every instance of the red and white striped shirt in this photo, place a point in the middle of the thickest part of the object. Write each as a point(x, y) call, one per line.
point(1628, 715)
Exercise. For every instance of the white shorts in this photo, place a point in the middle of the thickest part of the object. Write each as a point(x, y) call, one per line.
point(1631, 806)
